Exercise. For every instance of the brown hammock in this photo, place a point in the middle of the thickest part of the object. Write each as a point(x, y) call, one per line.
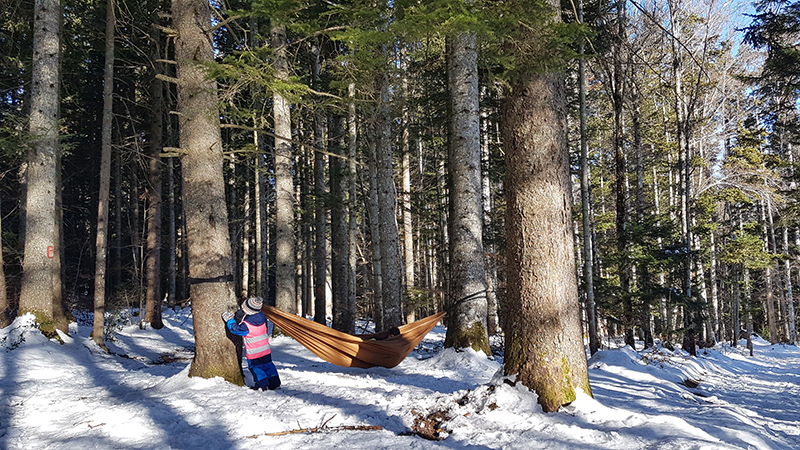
point(385, 349)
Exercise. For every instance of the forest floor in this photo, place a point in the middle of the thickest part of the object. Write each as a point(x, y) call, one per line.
point(72, 395)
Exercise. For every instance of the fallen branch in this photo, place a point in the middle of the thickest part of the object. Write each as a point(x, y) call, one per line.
point(321, 429)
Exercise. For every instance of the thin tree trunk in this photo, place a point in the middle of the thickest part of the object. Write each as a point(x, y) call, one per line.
point(172, 271)
point(285, 294)
point(262, 221)
point(715, 307)
point(387, 209)
point(98, 329)
point(352, 133)
point(735, 310)
point(5, 307)
point(153, 254)
point(408, 230)
point(320, 217)
point(490, 250)
point(375, 233)
point(620, 176)
point(343, 311)
point(209, 245)
point(787, 268)
point(588, 253)
point(247, 233)
point(772, 320)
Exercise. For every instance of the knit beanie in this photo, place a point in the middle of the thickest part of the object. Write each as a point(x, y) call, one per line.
point(252, 305)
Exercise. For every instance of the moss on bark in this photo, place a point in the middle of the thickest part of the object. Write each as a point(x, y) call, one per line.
point(473, 337)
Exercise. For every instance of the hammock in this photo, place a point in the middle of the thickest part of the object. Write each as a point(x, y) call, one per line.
point(385, 349)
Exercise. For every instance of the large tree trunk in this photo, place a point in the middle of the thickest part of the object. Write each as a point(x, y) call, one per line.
point(285, 297)
point(98, 330)
point(209, 246)
point(544, 345)
point(41, 275)
point(466, 317)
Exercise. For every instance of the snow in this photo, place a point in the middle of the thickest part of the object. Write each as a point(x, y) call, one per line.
point(73, 395)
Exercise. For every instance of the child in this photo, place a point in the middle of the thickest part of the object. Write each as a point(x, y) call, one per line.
point(251, 323)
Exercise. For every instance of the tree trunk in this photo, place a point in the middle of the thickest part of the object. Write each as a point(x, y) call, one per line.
point(172, 289)
point(466, 318)
point(352, 149)
point(772, 320)
point(247, 232)
point(98, 330)
point(715, 308)
point(320, 218)
point(41, 274)
point(736, 308)
point(344, 313)
point(375, 233)
point(387, 209)
point(320, 222)
point(787, 269)
point(285, 297)
point(5, 307)
point(209, 246)
point(620, 178)
point(544, 344)
point(153, 193)
point(588, 254)
point(490, 250)
point(408, 229)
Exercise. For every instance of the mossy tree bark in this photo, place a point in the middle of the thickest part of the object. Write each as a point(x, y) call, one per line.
point(544, 346)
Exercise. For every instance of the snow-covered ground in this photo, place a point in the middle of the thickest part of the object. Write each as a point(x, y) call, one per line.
point(73, 396)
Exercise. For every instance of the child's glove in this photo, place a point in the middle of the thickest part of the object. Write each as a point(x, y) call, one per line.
point(226, 316)
point(239, 316)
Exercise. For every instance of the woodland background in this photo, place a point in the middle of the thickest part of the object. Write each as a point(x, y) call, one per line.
point(338, 127)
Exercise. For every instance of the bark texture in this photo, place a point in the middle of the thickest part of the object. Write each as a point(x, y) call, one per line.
point(544, 345)
point(98, 331)
point(387, 211)
point(152, 313)
point(344, 312)
point(285, 297)
point(41, 275)
point(209, 245)
point(467, 290)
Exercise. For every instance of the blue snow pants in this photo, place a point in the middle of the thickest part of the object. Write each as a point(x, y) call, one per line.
point(265, 375)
